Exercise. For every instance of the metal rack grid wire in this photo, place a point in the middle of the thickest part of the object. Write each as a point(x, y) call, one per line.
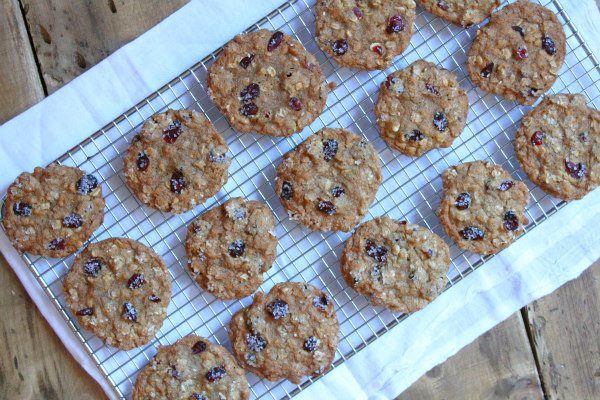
point(410, 190)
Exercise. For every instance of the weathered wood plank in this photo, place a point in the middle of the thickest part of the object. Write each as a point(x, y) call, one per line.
point(498, 365)
point(566, 332)
point(33, 362)
point(72, 36)
point(19, 79)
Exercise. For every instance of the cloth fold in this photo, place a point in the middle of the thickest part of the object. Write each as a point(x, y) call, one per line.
point(547, 257)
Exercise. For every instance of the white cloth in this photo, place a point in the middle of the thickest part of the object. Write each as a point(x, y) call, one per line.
point(553, 253)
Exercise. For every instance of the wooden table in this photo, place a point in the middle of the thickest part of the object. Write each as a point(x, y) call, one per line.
point(548, 349)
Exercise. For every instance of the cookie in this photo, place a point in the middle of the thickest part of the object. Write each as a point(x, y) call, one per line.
point(519, 53)
point(266, 82)
point(230, 247)
point(177, 161)
point(364, 34)
point(420, 108)
point(53, 211)
point(288, 333)
point(483, 207)
point(558, 146)
point(119, 289)
point(461, 12)
point(329, 181)
point(396, 265)
point(192, 368)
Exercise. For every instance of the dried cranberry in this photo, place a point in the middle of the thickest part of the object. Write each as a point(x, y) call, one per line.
point(311, 344)
point(249, 109)
point(86, 184)
point(505, 185)
point(415, 135)
point(142, 161)
point(250, 92)
point(532, 92)
point(379, 253)
point(174, 372)
point(236, 248)
point(377, 49)
point(129, 311)
point(330, 149)
point(321, 302)
point(517, 28)
point(246, 61)
point(278, 308)
point(521, 52)
point(390, 81)
point(511, 222)
point(217, 158)
point(537, 138)
point(154, 298)
point(339, 47)
point(584, 137)
point(85, 311)
point(432, 89)
point(471, 233)
point(442, 5)
point(92, 267)
point(463, 201)
point(576, 170)
point(395, 24)
point(440, 121)
point(487, 70)
point(136, 281)
point(275, 41)
point(57, 244)
point(337, 191)
point(357, 12)
point(72, 221)
point(198, 347)
point(22, 209)
point(177, 182)
point(295, 104)
point(216, 373)
point(255, 342)
point(327, 207)
point(548, 45)
point(172, 132)
point(286, 190)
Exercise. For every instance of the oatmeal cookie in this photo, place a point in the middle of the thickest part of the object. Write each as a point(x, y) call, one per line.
point(192, 368)
point(119, 289)
point(396, 265)
point(364, 34)
point(288, 333)
point(53, 211)
point(230, 247)
point(519, 53)
point(461, 12)
point(266, 82)
point(483, 207)
point(558, 146)
point(420, 108)
point(329, 181)
point(177, 161)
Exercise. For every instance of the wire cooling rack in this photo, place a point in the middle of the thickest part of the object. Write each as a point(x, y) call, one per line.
point(410, 190)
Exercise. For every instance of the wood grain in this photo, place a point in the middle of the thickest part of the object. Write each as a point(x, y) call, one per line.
point(499, 365)
point(19, 78)
point(33, 362)
point(565, 327)
point(71, 36)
